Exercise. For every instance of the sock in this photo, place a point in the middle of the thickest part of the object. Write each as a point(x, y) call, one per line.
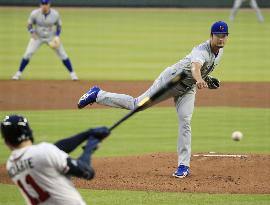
point(71, 143)
point(89, 148)
point(68, 65)
point(23, 64)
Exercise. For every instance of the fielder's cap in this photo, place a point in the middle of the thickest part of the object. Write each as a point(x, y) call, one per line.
point(45, 1)
point(220, 27)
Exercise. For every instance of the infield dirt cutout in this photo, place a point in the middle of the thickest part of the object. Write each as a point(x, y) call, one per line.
point(153, 172)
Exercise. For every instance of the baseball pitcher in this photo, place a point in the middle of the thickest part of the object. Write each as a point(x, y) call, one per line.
point(198, 65)
point(42, 171)
point(253, 4)
point(44, 26)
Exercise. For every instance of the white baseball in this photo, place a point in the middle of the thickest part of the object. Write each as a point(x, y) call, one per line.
point(237, 135)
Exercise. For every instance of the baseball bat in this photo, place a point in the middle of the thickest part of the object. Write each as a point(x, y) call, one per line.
point(151, 99)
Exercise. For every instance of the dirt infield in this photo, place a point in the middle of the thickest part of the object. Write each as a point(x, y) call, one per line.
point(42, 95)
point(153, 172)
point(208, 174)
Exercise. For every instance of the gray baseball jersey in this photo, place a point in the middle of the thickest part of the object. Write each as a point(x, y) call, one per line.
point(45, 29)
point(39, 170)
point(183, 94)
point(200, 54)
point(45, 24)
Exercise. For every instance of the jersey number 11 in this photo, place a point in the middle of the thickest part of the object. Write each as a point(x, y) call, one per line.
point(42, 195)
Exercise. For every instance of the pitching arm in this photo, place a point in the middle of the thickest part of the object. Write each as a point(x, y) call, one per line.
point(196, 74)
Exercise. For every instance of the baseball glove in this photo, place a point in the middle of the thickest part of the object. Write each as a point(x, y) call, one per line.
point(55, 42)
point(213, 83)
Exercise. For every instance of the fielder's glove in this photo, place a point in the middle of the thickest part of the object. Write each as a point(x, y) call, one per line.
point(213, 83)
point(55, 42)
point(100, 132)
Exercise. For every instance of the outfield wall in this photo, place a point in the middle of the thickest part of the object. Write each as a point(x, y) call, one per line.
point(137, 3)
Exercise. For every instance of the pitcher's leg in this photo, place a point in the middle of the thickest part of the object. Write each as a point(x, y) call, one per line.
point(123, 100)
point(102, 97)
point(168, 74)
point(185, 107)
point(116, 100)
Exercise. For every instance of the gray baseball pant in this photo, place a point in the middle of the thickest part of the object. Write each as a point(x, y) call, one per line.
point(34, 44)
point(184, 102)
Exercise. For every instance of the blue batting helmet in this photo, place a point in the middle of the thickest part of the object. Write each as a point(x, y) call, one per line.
point(15, 129)
point(45, 1)
point(220, 27)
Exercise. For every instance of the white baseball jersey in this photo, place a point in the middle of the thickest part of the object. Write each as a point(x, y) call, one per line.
point(39, 172)
point(44, 23)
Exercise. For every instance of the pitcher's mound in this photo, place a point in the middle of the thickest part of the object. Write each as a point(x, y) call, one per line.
point(153, 172)
point(211, 174)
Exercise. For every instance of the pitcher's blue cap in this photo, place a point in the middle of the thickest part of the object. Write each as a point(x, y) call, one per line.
point(44, 1)
point(220, 27)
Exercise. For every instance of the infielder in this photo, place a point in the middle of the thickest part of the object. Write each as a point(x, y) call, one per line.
point(42, 172)
point(198, 65)
point(253, 4)
point(44, 25)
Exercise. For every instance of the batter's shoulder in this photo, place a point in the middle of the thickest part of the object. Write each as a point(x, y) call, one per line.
point(42, 149)
point(45, 145)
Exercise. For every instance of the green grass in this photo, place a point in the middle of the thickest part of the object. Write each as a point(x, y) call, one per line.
point(143, 198)
point(211, 132)
point(136, 44)
point(211, 128)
